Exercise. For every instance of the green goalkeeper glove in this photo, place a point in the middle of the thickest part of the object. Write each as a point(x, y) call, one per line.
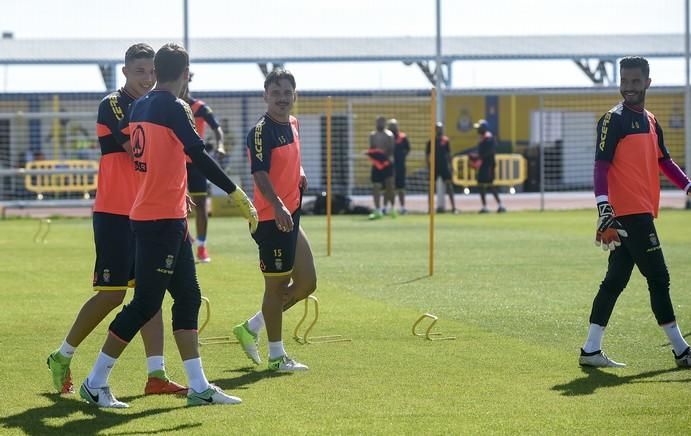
point(246, 207)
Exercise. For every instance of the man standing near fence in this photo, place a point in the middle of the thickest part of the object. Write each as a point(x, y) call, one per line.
point(114, 269)
point(400, 153)
point(630, 153)
point(484, 161)
point(380, 153)
point(162, 132)
point(285, 255)
point(197, 185)
point(442, 164)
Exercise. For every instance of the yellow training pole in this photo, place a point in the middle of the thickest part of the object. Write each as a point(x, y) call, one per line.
point(56, 127)
point(432, 175)
point(513, 123)
point(329, 109)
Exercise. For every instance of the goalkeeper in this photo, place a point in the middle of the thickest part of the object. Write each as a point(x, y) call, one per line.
point(630, 153)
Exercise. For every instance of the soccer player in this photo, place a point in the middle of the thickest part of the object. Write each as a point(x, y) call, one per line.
point(400, 152)
point(285, 256)
point(485, 158)
point(380, 153)
point(162, 132)
point(113, 237)
point(630, 153)
point(196, 182)
point(442, 164)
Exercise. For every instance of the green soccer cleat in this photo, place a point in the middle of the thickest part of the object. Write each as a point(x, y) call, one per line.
point(286, 364)
point(59, 367)
point(375, 215)
point(248, 341)
point(213, 395)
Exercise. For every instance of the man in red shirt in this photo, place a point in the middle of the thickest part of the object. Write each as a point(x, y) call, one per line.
point(285, 256)
point(630, 153)
point(114, 269)
point(162, 132)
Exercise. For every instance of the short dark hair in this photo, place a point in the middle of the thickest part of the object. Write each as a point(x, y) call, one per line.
point(170, 61)
point(276, 76)
point(635, 62)
point(139, 51)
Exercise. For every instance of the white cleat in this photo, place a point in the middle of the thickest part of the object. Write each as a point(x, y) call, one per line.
point(286, 364)
point(598, 359)
point(213, 395)
point(101, 397)
point(684, 359)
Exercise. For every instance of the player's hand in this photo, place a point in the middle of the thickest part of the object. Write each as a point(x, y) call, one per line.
point(220, 149)
point(246, 207)
point(284, 221)
point(303, 183)
point(190, 202)
point(688, 192)
point(609, 230)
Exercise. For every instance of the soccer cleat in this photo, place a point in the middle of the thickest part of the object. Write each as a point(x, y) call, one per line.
point(163, 385)
point(101, 397)
point(203, 255)
point(248, 342)
point(402, 211)
point(598, 359)
point(377, 214)
point(286, 364)
point(213, 395)
point(59, 367)
point(501, 209)
point(484, 210)
point(684, 359)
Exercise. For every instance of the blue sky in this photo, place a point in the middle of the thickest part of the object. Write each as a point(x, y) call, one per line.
point(272, 18)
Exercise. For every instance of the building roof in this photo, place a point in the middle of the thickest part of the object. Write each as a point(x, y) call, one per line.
point(406, 49)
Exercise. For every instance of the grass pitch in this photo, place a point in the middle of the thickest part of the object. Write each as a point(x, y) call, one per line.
point(515, 289)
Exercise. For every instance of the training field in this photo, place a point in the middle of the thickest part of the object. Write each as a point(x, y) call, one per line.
point(515, 289)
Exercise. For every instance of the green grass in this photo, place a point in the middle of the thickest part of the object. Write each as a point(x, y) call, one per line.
point(515, 289)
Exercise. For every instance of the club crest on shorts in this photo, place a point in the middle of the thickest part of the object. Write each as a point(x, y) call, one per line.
point(106, 275)
point(169, 261)
point(653, 240)
point(279, 263)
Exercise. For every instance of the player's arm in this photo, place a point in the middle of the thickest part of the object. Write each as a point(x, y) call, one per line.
point(406, 146)
point(667, 165)
point(183, 127)
point(390, 141)
point(608, 228)
point(303, 180)
point(111, 119)
point(122, 133)
point(210, 119)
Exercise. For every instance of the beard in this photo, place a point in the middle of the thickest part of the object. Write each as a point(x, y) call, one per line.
point(637, 99)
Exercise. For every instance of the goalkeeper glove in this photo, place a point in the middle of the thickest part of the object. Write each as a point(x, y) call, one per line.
point(246, 207)
point(608, 228)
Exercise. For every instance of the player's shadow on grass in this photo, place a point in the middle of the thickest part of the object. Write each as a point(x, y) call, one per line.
point(248, 376)
point(596, 378)
point(36, 421)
